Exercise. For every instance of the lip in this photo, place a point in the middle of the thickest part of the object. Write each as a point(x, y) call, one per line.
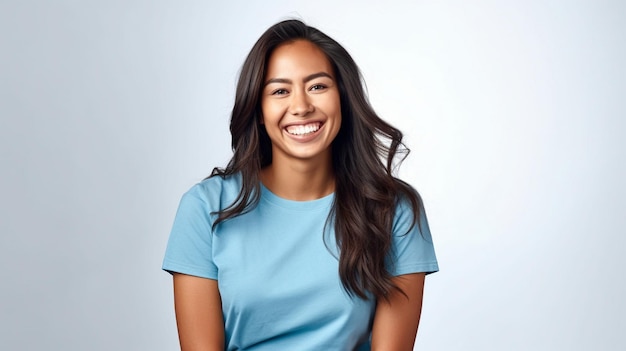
point(305, 137)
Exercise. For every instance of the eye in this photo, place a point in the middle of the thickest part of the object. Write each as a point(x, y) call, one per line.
point(317, 87)
point(279, 92)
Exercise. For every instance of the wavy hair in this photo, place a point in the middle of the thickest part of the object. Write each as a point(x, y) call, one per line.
point(364, 206)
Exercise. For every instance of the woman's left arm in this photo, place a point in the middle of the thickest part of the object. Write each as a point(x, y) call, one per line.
point(396, 319)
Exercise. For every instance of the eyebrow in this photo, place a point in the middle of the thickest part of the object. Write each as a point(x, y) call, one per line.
point(306, 79)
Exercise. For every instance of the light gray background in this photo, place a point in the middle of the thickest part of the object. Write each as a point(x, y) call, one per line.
point(514, 111)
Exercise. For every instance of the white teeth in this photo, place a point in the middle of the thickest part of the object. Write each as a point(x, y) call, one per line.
point(303, 129)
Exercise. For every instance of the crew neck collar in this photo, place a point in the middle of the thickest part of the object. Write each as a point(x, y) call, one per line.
point(307, 205)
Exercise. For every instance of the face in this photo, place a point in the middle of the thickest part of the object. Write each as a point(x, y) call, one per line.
point(300, 103)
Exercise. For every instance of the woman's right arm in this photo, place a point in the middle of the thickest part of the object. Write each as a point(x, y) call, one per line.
point(198, 313)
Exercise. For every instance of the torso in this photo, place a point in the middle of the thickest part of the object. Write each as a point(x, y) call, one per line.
point(277, 274)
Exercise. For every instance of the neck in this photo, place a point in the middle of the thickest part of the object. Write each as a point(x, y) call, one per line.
point(299, 180)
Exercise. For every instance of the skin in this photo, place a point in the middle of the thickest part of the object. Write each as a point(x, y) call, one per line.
point(300, 88)
point(198, 313)
point(396, 320)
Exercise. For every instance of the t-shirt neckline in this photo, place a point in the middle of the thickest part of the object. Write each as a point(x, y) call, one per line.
point(308, 205)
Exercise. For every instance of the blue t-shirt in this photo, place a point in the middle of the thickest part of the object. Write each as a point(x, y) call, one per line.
point(277, 269)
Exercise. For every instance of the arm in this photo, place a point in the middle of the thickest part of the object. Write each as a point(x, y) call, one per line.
point(396, 320)
point(198, 313)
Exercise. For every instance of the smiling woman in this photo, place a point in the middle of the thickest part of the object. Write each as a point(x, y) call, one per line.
point(305, 241)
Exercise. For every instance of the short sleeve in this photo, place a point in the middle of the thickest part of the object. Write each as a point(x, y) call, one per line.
point(189, 249)
point(412, 249)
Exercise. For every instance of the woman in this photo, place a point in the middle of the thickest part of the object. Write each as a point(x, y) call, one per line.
point(305, 241)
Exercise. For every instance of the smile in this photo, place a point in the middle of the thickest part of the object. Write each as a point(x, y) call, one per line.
point(304, 129)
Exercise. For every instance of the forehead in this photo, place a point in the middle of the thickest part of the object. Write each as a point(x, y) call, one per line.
point(300, 57)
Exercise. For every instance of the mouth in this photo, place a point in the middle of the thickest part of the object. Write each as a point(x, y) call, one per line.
point(303, 129)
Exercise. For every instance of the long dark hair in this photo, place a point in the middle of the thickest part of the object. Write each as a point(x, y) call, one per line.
point(364, 205)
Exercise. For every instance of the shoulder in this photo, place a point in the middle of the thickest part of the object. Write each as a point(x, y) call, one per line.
point(409, 206)
point(216, 192)
point(412, 248)
point(198, 207)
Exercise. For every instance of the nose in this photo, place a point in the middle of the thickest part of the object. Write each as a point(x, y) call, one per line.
point(300, 105)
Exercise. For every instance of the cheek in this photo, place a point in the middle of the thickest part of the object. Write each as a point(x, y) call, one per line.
point(337, 114)
point(271, 112)
point(333, 106)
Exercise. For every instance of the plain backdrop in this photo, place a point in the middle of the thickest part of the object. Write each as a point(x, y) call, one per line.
point(514, 111)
